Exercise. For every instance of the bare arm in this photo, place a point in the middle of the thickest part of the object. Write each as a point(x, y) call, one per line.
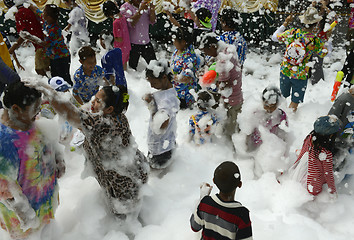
point(152, 13)
point(135, 18)
point(194, 17)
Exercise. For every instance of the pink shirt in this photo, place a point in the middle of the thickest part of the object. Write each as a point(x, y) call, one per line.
point(120, 30)
point(139, 34)
point(234, 78)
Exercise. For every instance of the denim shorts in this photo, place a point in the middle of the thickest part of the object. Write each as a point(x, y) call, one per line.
point(296, 86)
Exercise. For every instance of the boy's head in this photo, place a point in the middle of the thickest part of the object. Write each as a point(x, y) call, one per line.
point(204, 16)
point(51, 13)
point(209, 44)
point(22, 102)
point(227, 177)
point(271, 97)
point(110, 9)
point(230, 18)
point(158, 74)
point(205, 100)
point(87, 58)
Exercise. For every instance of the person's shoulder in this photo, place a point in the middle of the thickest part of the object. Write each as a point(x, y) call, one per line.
point(78, 71)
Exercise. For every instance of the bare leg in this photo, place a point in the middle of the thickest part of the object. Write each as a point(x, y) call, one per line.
point(293, 106)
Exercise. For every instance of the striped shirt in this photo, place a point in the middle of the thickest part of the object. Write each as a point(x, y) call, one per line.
point(221, 220)
point(320, 167)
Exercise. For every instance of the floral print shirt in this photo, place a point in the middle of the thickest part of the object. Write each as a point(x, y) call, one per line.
point(312, 44)
point(87, 86)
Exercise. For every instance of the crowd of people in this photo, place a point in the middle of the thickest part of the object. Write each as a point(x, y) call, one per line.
point(99, 97)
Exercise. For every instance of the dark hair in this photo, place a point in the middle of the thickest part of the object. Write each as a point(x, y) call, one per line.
point(86, 52)
point(9, 3)
point(323, 141)
point(230, 17)
point(19, 94)
point(184, 33)
point(110, 9)
point(271, 93)
point(165, 69)
point(208, 40)
point(117, 97)
point(52, 11)
point(227, 177)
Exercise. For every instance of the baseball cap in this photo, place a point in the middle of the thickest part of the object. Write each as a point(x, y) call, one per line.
point(204, 16)
point(59, 84)
point(327, 125)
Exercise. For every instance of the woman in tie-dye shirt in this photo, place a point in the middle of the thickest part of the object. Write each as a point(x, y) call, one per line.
point(29, 166)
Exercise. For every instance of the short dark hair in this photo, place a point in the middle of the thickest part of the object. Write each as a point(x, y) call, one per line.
point(271, 95)
point(117, 97)
point(110, 9)
point(86, 52)
point(19, 94)
point(9, 3)
point(208, 40)
point(227, 177)
point(231, 18)
point(184, 33)
point(52, 11)
point(165, 69)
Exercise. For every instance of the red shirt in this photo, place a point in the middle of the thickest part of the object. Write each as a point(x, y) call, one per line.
point(26, 20)
point(320, 167)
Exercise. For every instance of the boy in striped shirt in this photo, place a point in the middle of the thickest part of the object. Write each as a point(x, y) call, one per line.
point(220, 216)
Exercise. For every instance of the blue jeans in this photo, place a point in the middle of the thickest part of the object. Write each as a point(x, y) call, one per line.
point(296, 86)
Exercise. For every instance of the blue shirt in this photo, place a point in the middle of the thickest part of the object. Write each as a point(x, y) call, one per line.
point(235, 38)
point(112, 64)
point(87, 86)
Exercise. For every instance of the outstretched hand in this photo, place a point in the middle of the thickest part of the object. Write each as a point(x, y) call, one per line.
point(39, 86)
point(288, 20)
point(205, 189)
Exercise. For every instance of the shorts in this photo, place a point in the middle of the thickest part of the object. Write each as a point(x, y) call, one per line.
point(296, 86)
point(41, 60)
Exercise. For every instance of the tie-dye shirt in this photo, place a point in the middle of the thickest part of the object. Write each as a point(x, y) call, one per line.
point(27, 163)
point(312, 45)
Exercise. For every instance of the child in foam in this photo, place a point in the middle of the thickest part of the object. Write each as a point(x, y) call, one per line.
point(301, 44)
point(163, 105)
point(220, 216)
point(77, 24)
point(109, 147)
point(202, 125)
point(120, 30)
point(112, 60)
point(89, 77)
point(30, 165)
point(270, 118)
point(314, 165)
point(229, 83)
